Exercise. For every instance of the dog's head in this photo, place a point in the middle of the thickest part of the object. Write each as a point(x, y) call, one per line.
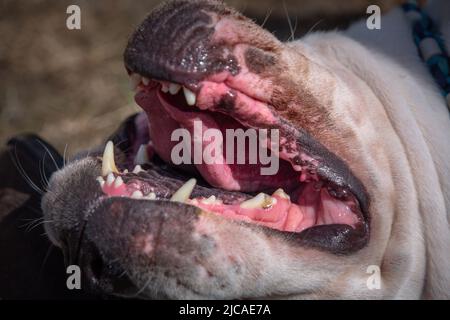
point(310, 230)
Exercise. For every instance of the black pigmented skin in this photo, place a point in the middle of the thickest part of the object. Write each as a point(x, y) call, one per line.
point(174, 43)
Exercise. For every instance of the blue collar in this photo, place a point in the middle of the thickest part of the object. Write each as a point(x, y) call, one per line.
point(430, 45)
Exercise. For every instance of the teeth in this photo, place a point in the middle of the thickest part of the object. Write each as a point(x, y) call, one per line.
point(190, 96)
point(164, 88)
point(135, 79)
point(137, 169)
point(142, 155)
point(261, 200)
point(210, 200)
point(150, 196)
point(280, 192)
point(109, 165)
point(101, 181)
point(137, 195)
point(110, 179)
point(174, 88)
point(118, 182)
point(145, 81)
point(183, 194)
point(125, 171)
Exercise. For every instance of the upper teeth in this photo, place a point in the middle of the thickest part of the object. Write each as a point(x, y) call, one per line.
point(108, 164)
point(261, 200)
point(184, 192)
point(174, 88)
point(190, 96)
point(164, 88)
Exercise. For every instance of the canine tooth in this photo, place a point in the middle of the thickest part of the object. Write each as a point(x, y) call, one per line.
point(137, 169)
point(110, 179)
point(184, 192)
point(135, 79)
point(125, 171)
point(280, 192)
point(190, 96)
point(261, 200)
point(109, 165)
point(137, 195)
point(174, 88)
point(141, 155)
point(164, 88)
point(145, 81)
point(118, 182)
point(151, 196)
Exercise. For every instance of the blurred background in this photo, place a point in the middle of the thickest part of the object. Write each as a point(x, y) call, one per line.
point(70, 87)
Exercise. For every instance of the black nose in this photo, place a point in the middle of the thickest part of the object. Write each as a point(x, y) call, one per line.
point(174, 43)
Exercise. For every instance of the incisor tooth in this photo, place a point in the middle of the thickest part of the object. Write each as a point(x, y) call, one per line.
point(109, 165)
point(118, 182)
point(137, 195)
point(141, 155)
point(145, 81)
point(261, 200)
point(280, 192)
point(135, 79)
point(164, 88)
point(174, 88)
point(190, 96)
point(110, 179)
point(183, 194)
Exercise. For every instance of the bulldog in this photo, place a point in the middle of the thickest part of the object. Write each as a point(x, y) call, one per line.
point(362, 191)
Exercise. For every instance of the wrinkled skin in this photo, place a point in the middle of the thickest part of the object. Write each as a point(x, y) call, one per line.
point(324, 85)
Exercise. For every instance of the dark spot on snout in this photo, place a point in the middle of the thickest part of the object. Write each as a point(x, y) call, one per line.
point(258, 61)
point(227, 102)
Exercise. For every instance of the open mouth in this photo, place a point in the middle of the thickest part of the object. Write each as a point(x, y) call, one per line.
point(322, 204)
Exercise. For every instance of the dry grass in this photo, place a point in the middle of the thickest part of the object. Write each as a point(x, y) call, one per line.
point(70, 86)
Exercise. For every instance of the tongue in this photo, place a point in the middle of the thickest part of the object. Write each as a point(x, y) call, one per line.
point(243, 177)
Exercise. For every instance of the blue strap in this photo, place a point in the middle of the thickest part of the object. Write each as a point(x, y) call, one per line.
point(431, 46)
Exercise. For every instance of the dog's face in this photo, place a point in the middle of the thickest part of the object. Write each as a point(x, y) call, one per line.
point(315, 238)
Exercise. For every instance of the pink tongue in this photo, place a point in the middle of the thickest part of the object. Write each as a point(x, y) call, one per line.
point(165, 118)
